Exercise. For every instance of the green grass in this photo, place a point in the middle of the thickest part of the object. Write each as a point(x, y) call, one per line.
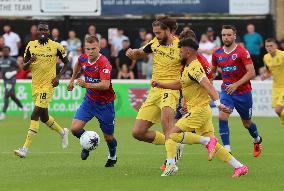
point(49, 168)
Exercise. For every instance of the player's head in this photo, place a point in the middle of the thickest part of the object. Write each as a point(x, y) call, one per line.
point(43, 31)
point(187, 34)
point(6, 51)
point(228, 33)
point(163, 28)
point(92, 47)
point(188, 48)
point(271, 45)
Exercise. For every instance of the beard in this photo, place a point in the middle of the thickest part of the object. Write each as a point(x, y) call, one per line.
point(42, 38)
point(228, 44)
point(163, 41)
point(183, 61)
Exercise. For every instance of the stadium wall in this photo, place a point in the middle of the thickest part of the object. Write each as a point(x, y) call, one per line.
point(130, 94)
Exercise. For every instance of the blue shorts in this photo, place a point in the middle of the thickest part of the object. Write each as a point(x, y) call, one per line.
point(242, 103)
point(103, 112)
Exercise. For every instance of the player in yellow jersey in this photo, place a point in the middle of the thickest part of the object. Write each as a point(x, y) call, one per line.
point(196, 89)
point(274, 62)
point(41, 55)
point(160, 104)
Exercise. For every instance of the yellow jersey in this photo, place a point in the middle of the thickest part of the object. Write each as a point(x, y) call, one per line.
point(194, 94)
point(44, 68)
point(166, 60)
point(275, 66)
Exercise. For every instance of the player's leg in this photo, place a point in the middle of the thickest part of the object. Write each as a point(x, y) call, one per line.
point(5, 106)
point(224, 130)
point(280, 112)
point(34, 126)
point(278, 103)
point(52, 124)
point(243, 105)
point(17, 101)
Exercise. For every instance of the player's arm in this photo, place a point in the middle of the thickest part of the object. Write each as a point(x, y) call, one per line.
point(11, 74)
point(214, 95)
point(102, 85)
point(214, 65)
point(134, 54)
point(76, 71)
point(64, 58)
point(266, 73)
point(173, 85)
point(28, 58)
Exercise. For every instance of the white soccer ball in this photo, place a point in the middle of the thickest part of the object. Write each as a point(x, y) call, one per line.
point(89, 140)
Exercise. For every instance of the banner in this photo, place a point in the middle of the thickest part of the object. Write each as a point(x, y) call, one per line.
point(249, 7)
point(130, 95)
point(142, 7)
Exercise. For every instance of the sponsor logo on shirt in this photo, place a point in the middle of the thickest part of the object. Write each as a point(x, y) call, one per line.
point(229, 68)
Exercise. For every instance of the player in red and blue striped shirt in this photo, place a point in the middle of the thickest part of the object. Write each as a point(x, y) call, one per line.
point(237, 71)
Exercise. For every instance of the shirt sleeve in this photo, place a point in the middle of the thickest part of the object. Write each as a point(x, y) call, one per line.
point(214, 62)
point(148, 47)
point(27, 54)
point(15, 64)
point(61, 53)
point(105, 71)
point(196, 73)
point(18, 39)
point(245, 57)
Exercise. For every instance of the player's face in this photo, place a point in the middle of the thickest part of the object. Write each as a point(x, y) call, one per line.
point(228, 37)
point(92, 50)
point(161, 35)
point(184, 55)
point(270, 47)
point(42, 32)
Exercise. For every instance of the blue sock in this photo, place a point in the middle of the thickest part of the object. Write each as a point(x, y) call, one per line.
point(253, 131)
point(112, 147)
point(224, 132)
point(78, 135)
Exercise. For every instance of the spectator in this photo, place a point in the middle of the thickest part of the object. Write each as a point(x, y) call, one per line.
point(123, 59)
point(60, 64)
point(124, 73)
point(104, 48)
point(186, 28)
point(253, 42)
point(281, 45)
point(2, 43)
point(213, 38)
point(12, 40)
point(92, 30)
point(140, 40)
point(32, 36)
point(55, 35)
point(23, 74)
point(206, 47)
point(74, 47)
point(117, 42)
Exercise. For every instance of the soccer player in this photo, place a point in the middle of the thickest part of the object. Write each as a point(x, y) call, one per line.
point(274, 62)
point(99, 98)
point(9, 68)
point(41, 55)
point(160, 104)
point(237, 71)
point(195, 89)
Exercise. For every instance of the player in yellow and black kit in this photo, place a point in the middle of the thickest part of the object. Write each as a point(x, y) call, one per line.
point(196, 89)
point(274, 62)
point(41, 55)
point(160, 104)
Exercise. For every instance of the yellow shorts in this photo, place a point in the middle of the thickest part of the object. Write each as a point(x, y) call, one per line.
point(277, 97)
point(42, 97)
point(198, 120)
point(158, 99)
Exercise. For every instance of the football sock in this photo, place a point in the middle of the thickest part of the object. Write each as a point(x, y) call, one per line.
point(186, 138)
point(171, 148)
point(224, 132)
point(235, 163)
point(282, 116)
point(34, 126)
point(253, 132)
point(222, 154)
point(159, 138)
point(6, 104)
point(53, 125)
point(80, 133)
point(112, 147)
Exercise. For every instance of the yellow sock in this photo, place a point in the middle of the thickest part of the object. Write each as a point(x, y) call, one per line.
point(34, 126)
point(222, 154)
point(171, 148)
point(186, 137)
point(53, 125)
point(159, 138)
point(282, 116)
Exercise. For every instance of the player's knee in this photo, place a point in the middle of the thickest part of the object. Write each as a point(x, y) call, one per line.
point(108, 138)
point(174, 137)
point(278, 110)
point(137, 134)
point(247, 123)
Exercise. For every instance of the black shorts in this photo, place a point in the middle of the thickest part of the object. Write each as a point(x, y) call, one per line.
point(9, 86)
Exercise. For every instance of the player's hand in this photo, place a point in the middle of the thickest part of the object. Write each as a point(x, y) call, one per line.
point(130, 53)
point(82, 83)
point(225, 109)
point(70, 86)
point(155, 84)
point(55, 82)
point(183, 110)
point(231, 88)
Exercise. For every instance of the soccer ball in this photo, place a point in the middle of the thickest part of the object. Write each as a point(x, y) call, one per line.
point(90, 140)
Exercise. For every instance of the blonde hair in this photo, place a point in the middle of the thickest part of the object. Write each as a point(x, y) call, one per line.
point(91, 39)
